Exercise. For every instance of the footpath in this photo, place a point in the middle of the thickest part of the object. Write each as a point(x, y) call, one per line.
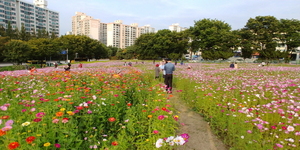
point(201, 136)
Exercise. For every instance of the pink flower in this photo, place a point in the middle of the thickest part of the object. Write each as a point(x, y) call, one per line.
point(40, 114)
point(9, 123)
point(4, 108)
point(55, 120)
point(161, 117)
point(57, 145)
point(185, 136)
point(279, 145)
point(259, 126)
point(6, 128)
point(249, 131)
point(89, 112)
point(23, 110)
point(155, 132)
point(273, 127)
point(32, 109)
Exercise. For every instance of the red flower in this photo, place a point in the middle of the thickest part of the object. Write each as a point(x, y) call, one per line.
point(2, 132)
point(111, 119)
point(30, 139)
point(37, 119)
point(79, 108)
point(5, 117)
point(164, 108)
point(129, 104)
point(13, 145)
point(114, 143)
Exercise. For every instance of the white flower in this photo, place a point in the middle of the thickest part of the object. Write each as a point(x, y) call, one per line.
point(291, 140)
point(179, 140)
point(170, 138)
point(26, 123)
point(94, 97)
point(242, 137)
point(103, 104)
point(159, 143)
point(290, 128)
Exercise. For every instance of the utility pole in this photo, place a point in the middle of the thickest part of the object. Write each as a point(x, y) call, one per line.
point(67, 56)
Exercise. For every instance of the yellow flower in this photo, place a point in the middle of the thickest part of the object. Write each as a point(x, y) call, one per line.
point(47, 144)
point(147, 140)
point(38, 135)
point(29, 131)
point(67, 135)
point(62, 109)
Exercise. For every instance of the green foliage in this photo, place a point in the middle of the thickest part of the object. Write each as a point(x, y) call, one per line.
point(161, 44)
point(213, 38)
point(16, 51)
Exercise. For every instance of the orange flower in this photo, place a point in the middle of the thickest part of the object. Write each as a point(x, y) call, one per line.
point(58, 114)
point(114, 143)
point(13, 145)
point(149, 116)
point(5, 117)
point(111, 119)
point(2, 132)
point(30, 139)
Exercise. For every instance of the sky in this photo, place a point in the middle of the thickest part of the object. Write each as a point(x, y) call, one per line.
point(160, 14)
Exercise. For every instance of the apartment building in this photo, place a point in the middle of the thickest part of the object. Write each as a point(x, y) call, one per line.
point(114, 34)
point(85, 25)
point(145, 29)
point(176, 27)
point(34, 17)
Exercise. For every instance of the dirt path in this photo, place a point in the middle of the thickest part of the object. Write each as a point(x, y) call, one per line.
point(201, 136)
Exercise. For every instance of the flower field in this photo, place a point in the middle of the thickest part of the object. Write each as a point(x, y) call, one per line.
point(94, 107)
point(88, 108)
point(249, 108)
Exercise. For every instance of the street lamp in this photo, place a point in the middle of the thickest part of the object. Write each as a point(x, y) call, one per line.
point(76, 55)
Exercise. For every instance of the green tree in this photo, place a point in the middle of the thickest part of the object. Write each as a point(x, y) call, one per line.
point(213, 37)
point(3, 42)
point(23, 35)
point(9, 31)
point(161, 44)
point(42, 48)
point(16, 51)
point(289, 35)
point(265, 32)
point(2, 31)
point(144, 46)
point(245, 40)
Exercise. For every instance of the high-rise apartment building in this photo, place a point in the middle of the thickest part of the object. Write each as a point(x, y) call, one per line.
point(114, 34)
point(85, 25)
point(176, 27)
point(34, 17)
point(145, 29)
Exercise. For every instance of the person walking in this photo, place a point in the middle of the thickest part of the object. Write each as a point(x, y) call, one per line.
point(169, 68)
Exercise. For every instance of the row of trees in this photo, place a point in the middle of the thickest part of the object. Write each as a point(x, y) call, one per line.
point(214, 38)
point(19, 51)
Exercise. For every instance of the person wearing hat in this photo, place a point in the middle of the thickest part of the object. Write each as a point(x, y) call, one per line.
point(169, 68)
point(157, 70)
